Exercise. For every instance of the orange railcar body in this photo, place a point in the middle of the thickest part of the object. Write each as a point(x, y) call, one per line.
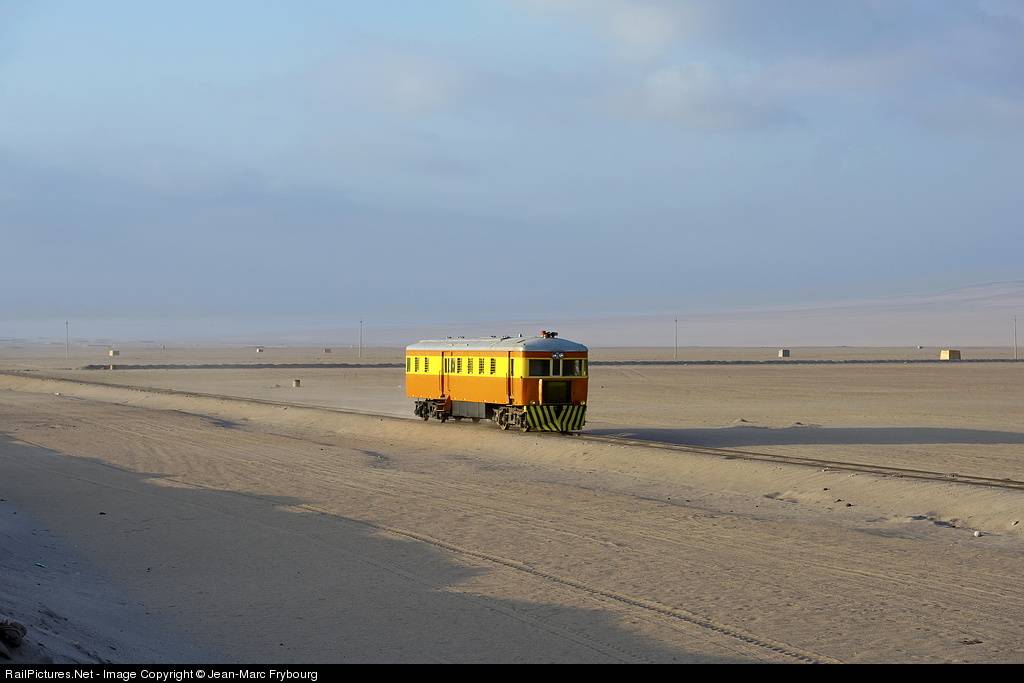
point(520, 373)
point(487, 388)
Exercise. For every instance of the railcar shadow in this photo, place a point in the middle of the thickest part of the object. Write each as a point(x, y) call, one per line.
point(735, 437)
point(256, 578)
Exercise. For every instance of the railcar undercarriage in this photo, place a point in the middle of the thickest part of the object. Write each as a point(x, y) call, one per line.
point(565, 418)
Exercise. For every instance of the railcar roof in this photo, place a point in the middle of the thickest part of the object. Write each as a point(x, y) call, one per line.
point(499, 343)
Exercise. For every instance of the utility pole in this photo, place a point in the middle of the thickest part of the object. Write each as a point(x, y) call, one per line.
point(675, 353)
point(1015, 337)
point(67, 341)
point(360, 339)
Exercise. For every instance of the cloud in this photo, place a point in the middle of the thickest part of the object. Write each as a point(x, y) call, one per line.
point(697, 96)
point(394, 81)
point(985, 113)
point(690, 60)
point(640, 30)
point(1003, 9)
point(415, 85)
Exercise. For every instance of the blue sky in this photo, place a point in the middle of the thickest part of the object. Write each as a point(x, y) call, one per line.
point(495, 159)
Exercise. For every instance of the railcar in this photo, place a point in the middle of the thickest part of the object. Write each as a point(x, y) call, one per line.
point(528, 383)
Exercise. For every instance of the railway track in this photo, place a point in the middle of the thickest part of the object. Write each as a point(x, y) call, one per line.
point(839, 465)
point(724, 453)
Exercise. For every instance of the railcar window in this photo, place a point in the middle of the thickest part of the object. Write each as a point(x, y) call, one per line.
point(469, 366)
point(408, 364)
point(480, 366)
point(494, 366)
point(572, 368)
point(458, 365)
point(426, 365)
point(512, 367)
point(539, 368)
point(416, 364)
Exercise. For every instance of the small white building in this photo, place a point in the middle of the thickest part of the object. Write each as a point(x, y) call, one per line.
point(783, 353)
point(113, 352)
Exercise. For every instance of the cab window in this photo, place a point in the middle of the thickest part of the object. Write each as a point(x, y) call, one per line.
point(572, 367)
point(539, 368)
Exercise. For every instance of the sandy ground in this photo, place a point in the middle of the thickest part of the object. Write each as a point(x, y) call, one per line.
point(267, 533)
point(49, 356)
point(299, 535)
point(962, 419)
point(72, 612)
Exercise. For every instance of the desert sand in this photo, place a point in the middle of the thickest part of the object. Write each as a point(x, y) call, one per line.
point(273, 532)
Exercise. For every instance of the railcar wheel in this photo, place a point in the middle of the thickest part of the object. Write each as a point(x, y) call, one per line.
point(501, 417)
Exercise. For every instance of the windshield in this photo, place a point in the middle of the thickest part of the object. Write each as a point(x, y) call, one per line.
point(558, 367)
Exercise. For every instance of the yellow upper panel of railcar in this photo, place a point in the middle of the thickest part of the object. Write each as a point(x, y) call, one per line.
point(490, 357)
point(495, 366)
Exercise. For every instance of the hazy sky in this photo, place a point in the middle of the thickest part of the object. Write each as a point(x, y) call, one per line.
point(419, 161)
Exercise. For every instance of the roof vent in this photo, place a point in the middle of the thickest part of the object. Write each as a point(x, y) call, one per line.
point(548, 335)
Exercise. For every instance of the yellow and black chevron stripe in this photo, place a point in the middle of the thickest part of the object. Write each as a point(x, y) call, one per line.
point(563, 418)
